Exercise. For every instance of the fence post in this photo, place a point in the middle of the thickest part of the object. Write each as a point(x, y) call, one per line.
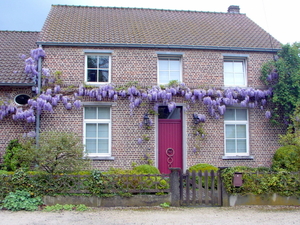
point(225, 196)
point(174, 186)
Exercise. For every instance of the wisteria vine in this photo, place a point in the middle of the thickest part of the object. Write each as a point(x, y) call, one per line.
point(213, 99)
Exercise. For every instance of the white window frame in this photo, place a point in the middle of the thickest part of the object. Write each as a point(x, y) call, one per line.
point(86, 68)
point(168, 57)
point(237, 122)
point(233, 59)
point(97, 121)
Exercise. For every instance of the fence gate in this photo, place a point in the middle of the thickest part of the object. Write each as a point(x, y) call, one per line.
point(200, 189)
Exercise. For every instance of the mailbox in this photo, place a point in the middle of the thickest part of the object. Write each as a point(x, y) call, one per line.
point(238, 179)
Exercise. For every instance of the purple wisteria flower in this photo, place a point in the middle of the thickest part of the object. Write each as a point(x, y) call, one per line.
point(140, 141)
point(268, 114)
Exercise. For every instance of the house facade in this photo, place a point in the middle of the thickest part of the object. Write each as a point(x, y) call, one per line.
point(122, 63)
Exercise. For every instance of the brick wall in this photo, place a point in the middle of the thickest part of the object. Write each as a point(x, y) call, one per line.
point(200, 69)
point(10, 129)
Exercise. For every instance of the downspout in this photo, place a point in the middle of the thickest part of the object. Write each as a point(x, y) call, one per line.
point(39, 86)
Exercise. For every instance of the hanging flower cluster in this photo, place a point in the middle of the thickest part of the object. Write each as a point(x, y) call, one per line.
point(214, 100)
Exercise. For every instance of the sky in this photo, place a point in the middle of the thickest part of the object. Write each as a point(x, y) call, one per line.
point(279, 18)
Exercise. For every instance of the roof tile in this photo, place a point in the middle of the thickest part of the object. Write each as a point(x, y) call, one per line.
point(106, 25)
point(13, 45)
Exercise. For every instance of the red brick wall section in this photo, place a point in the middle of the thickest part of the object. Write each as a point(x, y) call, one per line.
point(10, 129)
point(201, 68)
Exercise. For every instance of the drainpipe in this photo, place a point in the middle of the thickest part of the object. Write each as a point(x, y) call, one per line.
point(37, 119)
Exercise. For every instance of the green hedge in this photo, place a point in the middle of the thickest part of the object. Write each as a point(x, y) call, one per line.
point(262, 181)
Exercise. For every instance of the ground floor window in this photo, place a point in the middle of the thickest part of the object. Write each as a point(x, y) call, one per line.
point(236, 132)
point(97, 131)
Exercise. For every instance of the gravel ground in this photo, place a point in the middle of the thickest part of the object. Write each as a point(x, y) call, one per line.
point(156, 215)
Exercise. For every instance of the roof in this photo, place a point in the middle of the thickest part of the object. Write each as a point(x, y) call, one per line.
point(137, 27)
point(13, 45)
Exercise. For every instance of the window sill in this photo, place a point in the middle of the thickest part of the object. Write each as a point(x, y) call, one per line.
point(102, 158)
point(238, 157)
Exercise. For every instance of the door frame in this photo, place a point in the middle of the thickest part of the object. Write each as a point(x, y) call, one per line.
point(184, 137)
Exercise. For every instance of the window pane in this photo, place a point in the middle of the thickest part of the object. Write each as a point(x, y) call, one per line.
point(174, 64)
point(238, 67)
point(241, 114)
point(228, 67)
point(163, 77)
point(241, 131)
point(103, 113)
point(229, 114)
point(230, 146)
point(103, 76)
point(92, 76)
point(103, 61)
point(103, 146)
point(174, 75)
point(91, 145)
point(103, 130)
point(163, 113)
point(91, 130)
point(90, 113)
point(92, 61)
point(241, 146)
point(230, 131)
point(163, 64)
point(239, 79)
point(229, 79)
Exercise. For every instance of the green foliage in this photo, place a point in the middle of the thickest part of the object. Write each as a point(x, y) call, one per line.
point(286, 87)
point(165, 205)
point(21, 200)
point(16, 156)
point(262, 181)
point(59, 152)
point(202, 167)
point(287, 158)
point(66, 207)
point(146, 169)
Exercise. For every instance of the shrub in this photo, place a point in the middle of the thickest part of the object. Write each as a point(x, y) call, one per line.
point(146, 169)
point(202, 167)
point(16, 156)
point(21, 200)
point(287, 158)
point(59, 152)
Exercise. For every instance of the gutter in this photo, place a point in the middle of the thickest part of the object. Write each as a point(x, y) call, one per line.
point(198, 47)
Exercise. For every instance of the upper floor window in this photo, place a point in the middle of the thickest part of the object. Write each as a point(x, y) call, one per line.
point(169, 68)
point(236, 132)
point(98, 68)
point(235, 72)
point(97, 131)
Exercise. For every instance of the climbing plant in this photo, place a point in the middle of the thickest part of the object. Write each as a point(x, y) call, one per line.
point(282, 75)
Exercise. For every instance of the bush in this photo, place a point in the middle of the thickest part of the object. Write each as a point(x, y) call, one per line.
point(262, 181)
point(146, 169)
point(16, 156)
point(202, 167)
point(21, 200)
point(59, 153)
point(287, 158)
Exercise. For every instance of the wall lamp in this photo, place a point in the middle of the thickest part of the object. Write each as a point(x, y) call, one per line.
point(146, 119)
point(196, 118)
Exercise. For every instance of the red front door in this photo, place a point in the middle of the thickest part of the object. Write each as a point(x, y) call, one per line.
point(169, 139)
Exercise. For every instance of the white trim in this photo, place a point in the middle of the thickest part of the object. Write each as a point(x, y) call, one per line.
point(98, 121)
point(184, 137)
point(244, 65)
point(85, 68)
point(236, 122)
point(169, 57)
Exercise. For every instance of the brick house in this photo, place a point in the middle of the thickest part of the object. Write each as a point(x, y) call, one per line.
point(208, 52)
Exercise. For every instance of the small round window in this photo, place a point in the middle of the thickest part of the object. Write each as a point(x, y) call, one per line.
point(22, 99)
